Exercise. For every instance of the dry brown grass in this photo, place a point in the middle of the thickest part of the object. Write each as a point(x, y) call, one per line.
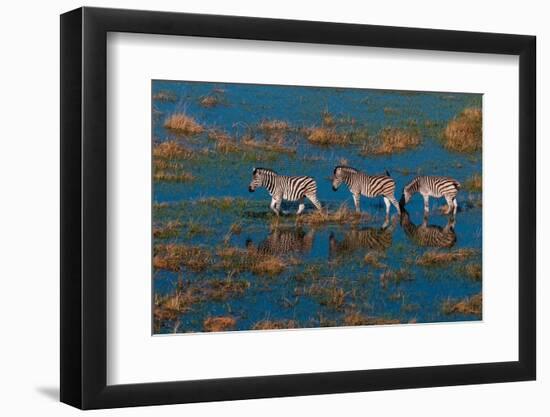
point(327, 136)
point(219, 324)
point(181, 123)
point(269, 146)
point(392, 140)
point(171, 150)
point(222, 289)
point(274, 126)
point(209, 101)
point(169, 307)
point(469, 305)
point(165, 96)
point(355, 318)
point(473, 271)
point(372, 258)
point(237, 260)
point(327, 119)
point(167, 176)
point(328, 294)
point(173, 256)
point(343, 215)
point(169, 229)
point(464, 133)
point(275, 325)
point(474, 183)
point(437, 258)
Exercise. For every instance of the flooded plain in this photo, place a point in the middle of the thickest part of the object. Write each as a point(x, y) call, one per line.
point(222, 260)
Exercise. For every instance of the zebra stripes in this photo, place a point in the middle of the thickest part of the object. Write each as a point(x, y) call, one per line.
point(282, 187)
point(297, 188)
point(360, 183)
point(429, 235)
point(432, 187)
point(282, 241)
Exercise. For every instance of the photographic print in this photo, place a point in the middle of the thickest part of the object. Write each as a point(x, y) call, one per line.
point(291, 207)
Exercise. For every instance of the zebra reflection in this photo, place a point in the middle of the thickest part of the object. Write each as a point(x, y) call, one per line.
point(371, 238)
point(429, 235)
point(282, 241)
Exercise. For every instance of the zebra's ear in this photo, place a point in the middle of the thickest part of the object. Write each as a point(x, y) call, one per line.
point(254, 170)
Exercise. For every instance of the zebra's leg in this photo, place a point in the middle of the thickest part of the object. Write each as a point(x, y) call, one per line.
point(455, 208)
point(426, 203)
point(314, 201)
point(395, 203)
point(301, 206)
point(388, 204)
point(450, 205)
point(273, 206)
point(356, 200)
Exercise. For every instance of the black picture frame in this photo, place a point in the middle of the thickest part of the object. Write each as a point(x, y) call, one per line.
point(84, 207)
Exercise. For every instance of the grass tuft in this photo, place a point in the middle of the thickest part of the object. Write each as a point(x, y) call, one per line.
point(392, 140)
point(173, 256)
point(170, 229)
point(219, 324)
point(274, 126)
point(474, 183)
point(437, 258)
point(164, 95)
point(343, 215)
point(327, 136)
point(275, 325)
point(469, 305)
point(464, 133)
point(181, 123)
point(355, 318)
point(171, 150)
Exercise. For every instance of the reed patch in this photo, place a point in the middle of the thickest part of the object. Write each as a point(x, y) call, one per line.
point(392, 140)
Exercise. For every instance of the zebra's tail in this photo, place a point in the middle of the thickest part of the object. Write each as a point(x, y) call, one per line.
point(388, 173)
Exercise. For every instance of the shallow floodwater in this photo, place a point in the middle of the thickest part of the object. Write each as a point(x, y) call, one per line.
point(323, 256)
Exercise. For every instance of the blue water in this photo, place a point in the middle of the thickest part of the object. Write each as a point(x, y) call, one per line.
point(418, 297)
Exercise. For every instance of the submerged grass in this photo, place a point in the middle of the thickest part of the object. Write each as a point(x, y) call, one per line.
point(167, 96)
point(464, 132)
point(172, 150)
point(468, 305)
point(170, 229)
point(355, 318)
point(474, 183)
point(437, 258)
point(392, 140)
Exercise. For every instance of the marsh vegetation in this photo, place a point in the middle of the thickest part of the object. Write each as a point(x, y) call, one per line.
point(222, 261)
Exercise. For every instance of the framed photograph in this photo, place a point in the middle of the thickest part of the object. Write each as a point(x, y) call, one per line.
point(258, 208)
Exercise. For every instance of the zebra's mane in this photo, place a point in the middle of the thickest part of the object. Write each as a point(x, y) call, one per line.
point(263, 170)
point(346, 169)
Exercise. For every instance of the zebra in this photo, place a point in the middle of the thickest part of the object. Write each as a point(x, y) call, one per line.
point(430, 186)
point(360, 183)
point(282, 241)
point(429, 235)
point(282, 187)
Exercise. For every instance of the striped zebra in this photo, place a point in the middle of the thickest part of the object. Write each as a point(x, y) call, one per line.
point(282, 241)
point(436, 187)
point(360, 183)
point(282, 187)
point(429, 235)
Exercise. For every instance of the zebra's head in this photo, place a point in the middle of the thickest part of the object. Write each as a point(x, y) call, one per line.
point(339, 175)
point(258, 178)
